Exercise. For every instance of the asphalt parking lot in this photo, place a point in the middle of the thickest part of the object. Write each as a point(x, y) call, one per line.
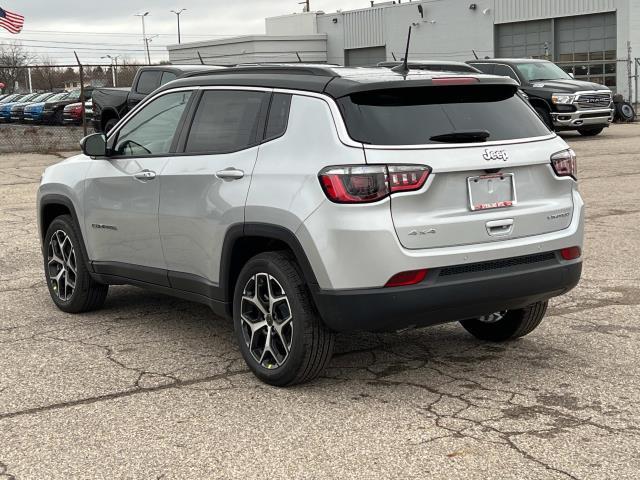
point(153, 387)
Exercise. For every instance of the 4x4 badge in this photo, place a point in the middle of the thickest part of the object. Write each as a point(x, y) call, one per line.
point(495, 155)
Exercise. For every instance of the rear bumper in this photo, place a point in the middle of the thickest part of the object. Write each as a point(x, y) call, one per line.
point(449, 295)
point(583, 118)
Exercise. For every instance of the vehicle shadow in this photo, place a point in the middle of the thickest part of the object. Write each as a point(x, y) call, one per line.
point(195, 337)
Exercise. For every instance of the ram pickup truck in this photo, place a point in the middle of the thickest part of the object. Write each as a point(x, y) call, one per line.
point(563, 102)
point(111, 104)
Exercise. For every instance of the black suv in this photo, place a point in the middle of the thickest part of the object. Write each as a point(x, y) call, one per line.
point(563, 102)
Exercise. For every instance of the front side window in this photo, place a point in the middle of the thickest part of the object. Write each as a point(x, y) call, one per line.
point(436, 115)
point(226, 121)
point(152, 129)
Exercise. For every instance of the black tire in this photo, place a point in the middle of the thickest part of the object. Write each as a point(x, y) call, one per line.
point(590, 132)
point(58, 118)
point(112, 122)
point(514, 324)
point(625, 112)
point(88, 294)
point(311, 343)
point(545, 115)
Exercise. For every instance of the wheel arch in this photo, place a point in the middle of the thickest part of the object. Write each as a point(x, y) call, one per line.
point(52, 206)
point(244, 241)
point(107, 114)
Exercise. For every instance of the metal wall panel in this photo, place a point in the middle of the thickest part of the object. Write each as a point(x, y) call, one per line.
point(365, 57)
point(364, 28)
point(507, 11)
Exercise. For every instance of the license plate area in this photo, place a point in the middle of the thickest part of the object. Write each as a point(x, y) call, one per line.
point(488, 192)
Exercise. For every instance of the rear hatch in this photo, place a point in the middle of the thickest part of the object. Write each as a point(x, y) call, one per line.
point(490, 156)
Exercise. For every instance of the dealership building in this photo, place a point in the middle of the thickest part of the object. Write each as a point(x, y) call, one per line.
point(597, 40)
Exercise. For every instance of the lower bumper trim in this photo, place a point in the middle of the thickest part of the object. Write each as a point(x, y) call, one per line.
point(443, 300)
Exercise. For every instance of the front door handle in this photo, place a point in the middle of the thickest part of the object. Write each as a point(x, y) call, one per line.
point(230, 174)
point(145, 175)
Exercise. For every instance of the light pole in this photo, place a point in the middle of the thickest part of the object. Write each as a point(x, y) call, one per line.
point(114, 68)
point(144, 35)
point(178, 13)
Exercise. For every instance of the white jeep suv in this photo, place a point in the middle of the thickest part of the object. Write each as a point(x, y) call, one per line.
point(305, 200)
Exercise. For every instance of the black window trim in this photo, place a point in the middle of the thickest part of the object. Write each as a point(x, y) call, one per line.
point(260, 131)
point(188, 111)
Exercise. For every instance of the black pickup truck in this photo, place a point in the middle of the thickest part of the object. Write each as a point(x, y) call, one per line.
point(563, 102)
point(111, 104)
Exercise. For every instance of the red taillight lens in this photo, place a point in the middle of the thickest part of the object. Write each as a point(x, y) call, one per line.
point(571, 253)
point(565, 164)
point(370, 183)
point(454, 80)
point(407, 278)
point(355, 184)
point(403, 178)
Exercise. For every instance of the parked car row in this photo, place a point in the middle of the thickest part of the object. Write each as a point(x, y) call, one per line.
point(50, 108)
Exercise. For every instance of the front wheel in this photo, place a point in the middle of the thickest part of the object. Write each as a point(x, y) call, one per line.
point(280, 334)
point(508, 324)
point(545, 115)
point(71, 287)
point(590, 132)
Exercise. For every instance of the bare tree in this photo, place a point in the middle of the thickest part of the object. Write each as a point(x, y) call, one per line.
point(13, 60)
point(47, 77)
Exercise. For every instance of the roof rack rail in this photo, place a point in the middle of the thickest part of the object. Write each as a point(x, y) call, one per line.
point(281, 69)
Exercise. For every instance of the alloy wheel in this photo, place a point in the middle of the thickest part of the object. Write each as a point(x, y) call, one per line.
point(62, 267)
point(266, 321)
point(493, 317)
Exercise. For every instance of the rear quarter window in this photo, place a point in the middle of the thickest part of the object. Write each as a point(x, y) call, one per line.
point(414, 116)
point(149, 80)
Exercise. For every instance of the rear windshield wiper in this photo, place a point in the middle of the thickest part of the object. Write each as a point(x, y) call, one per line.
point(476, 136)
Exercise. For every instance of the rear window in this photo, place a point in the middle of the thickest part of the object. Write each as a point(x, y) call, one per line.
point(414, 116)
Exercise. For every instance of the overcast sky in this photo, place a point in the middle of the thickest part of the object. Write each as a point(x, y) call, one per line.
point(53, 28)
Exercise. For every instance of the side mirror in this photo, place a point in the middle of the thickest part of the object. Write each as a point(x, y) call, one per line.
point(94, 145)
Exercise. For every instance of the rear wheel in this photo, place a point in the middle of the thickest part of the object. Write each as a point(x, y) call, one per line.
point(71, 287)
point(590, 132)
point(280, 334)
point(508, 324)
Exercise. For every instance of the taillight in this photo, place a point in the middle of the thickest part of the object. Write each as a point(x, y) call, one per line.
point(565, 164)
point(370, 183)
point(571, 253)
point(404, 279)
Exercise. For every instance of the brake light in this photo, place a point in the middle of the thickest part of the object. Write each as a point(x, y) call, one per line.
point(565, 164)
point(571, 253)
point(455, 80)
point(404, 279)
point(371, 183)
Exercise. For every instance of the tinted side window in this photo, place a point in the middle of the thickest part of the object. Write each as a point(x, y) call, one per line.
point(278, 116)
point(505, 71)
point(149, 80)
point(484, 67)
point(168, 77)
point(151, 130)
point(226, 121)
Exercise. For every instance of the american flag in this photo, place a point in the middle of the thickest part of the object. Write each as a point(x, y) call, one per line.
point(11, 21)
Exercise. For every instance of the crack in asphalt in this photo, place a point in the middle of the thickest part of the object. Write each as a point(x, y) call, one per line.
point(121, 394)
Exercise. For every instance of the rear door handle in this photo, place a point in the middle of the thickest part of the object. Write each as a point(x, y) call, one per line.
point(230, 174)
point(145, 175)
